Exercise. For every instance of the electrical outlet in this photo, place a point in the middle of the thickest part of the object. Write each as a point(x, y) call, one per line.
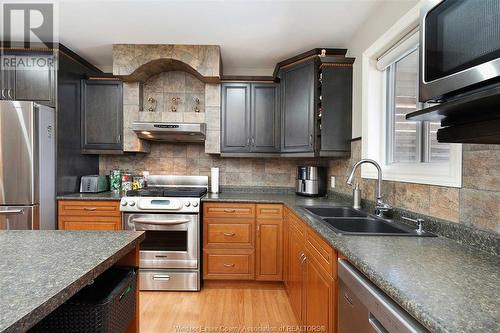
point(332, 181)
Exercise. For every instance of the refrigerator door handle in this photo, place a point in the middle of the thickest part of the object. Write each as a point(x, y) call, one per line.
point(12, 211)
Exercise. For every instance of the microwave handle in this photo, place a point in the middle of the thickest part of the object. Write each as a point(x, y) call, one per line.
point(159, 221)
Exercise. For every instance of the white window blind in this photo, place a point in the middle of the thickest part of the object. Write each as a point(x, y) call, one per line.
point(407, 141)
point(402, 48)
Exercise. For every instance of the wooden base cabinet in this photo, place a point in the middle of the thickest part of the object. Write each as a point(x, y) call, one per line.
point(310, 278)
point(243, 241)
point(295, 269)
point(319, 297)
point(89, 215)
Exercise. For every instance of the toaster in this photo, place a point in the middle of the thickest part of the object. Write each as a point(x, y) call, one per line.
point(94, 184)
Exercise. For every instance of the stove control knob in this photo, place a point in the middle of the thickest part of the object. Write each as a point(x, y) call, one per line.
point(131, 203)
point(195, 204)
point(124, 203)
point(187, 204)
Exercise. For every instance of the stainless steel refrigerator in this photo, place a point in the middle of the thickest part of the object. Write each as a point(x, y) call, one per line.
point(27, 166)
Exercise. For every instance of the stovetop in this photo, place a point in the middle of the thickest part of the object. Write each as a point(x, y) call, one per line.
point(181, 192)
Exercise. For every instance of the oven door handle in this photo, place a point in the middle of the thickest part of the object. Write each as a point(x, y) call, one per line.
point(160, 222)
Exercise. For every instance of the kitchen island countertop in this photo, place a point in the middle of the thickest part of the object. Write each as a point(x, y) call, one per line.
point(446, 286)
point(40, 270)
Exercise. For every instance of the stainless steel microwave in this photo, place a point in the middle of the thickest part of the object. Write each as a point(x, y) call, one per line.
point(459, 47)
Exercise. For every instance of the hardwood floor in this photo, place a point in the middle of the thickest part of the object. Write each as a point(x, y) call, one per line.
point(227, 304)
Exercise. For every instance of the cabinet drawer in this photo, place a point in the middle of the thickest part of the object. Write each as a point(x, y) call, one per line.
point(231, 234)
point(89, 208)
point(229, 210)
point(89, 223)
point(269, 211)
point(322, 253)
point(295, 223)
point(229, 264)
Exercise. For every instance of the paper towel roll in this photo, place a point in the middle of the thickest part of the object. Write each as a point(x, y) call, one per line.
point(214, 172)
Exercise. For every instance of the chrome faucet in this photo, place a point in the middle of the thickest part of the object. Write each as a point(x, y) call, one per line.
point(381, 208)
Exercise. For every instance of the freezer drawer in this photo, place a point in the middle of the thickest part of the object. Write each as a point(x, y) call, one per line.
point(18, 217)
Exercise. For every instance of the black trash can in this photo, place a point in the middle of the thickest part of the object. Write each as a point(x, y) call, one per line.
point(106, 306)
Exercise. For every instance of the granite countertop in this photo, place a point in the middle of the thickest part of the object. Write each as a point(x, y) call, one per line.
point(40, 270)
point(446, 286)
point(108, 195)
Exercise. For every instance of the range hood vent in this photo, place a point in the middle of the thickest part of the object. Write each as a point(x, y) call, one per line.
point(170, 132)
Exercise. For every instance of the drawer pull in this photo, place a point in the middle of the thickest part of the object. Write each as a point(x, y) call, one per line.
point(90, 208)
point(161, 277)
point(228, 265)
point(229, 210)
point(229, 234)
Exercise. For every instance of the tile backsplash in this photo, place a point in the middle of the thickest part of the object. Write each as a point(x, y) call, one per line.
point(173, 96)
point(191, 159)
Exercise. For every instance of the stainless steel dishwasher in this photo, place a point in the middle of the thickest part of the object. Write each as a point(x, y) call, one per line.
point(363, 307)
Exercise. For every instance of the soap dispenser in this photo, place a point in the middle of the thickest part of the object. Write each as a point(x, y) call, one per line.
point(356, 197)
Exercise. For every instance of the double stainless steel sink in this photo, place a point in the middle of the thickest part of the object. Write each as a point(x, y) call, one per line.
point(349, 221)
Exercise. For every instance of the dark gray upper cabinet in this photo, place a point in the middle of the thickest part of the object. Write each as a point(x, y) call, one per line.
point(250, 118)
point(36, 82)
point(29, 77)
point(7, 83)
point(297, 107)
point(235, 118)
point(102, 116)
point(336, 110)
point(265, 118)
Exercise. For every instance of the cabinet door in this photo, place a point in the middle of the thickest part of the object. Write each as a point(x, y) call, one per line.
point(337, 109)
point(35, 78)
point(296, 271)
point(102, 115)
point(297, 108)
point(286, 248)
point(269, 250)
point(265, 118)
point(235, 118)
point(7, 77)
point(320, 297)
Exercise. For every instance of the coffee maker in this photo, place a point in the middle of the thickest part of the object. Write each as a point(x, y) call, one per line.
point(311, 181)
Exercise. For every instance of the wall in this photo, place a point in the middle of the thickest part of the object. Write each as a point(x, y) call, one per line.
point(382, 19)
point(190, 159)
point(476, 204)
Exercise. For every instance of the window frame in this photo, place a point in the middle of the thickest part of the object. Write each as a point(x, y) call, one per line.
point(375, 124)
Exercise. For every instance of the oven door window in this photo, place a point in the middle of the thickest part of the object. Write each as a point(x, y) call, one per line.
point(460, 35)
point(176, 240)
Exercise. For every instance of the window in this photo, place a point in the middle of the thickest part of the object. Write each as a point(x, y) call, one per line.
point(409, 141)
point(407, 151)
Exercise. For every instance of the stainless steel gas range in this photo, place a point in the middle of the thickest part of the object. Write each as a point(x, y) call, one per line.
point(168, 210)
